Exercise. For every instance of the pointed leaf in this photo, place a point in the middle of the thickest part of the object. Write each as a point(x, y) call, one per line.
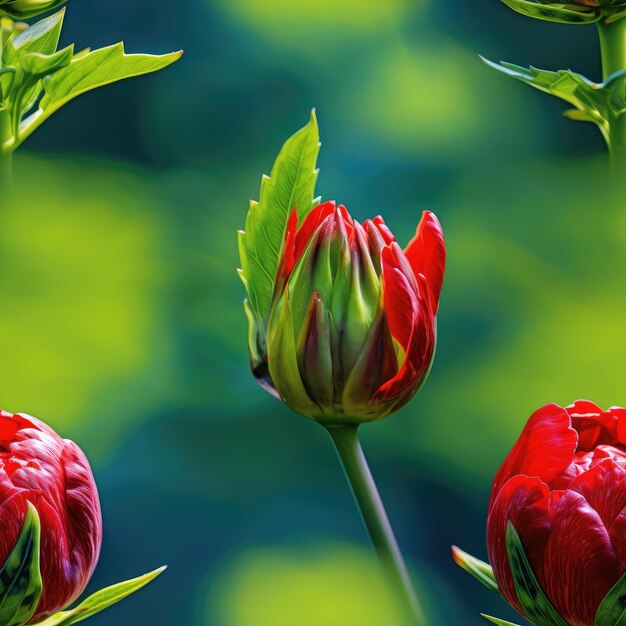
point(291, 184)
point(499, 622)
point(553, 12)
point(483, 572)
point(20, 577)
point(612, 611)
point(597, 102)
point(535, 604)
point(100, 600)
point(42, 37)
point(38, 64)
point(87, 72)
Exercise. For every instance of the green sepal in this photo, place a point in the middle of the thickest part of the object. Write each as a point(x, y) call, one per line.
point(20, 576)
point(555, 12)
point(100, 600)
point(612, 610)
point(25, 9)
point(481, 571)
point(595, 102)
point(497, 621)
point(290, 186)
point(535, 604)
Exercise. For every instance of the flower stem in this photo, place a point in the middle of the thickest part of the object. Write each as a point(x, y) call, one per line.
point(6, 155)
point(613, 51)
point(375, 518)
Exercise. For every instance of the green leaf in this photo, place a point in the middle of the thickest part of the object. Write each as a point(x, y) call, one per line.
point(597, 102)
point(25, 9)
point(612, 610)
point(42, 37)
point(38, 64)
point(555, 12)
point(88, 71)
point(100, 600)
point(535, 604)
point(499, 622)
point(20, 578)
point(290, 185)
point(483, 572)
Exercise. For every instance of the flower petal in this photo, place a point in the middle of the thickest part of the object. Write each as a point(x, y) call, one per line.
point(524, 502)
point(410, 322)
point(594, 425)
point(580, 566)
point(426, 253)
point(544, 449)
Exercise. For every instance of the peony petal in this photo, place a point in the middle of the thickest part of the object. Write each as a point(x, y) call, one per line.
point(524, 502)
point(410, 322)
point(309, 225)
point(544, 449)
point(580, 566)
point(426, 253)
point(594, 425)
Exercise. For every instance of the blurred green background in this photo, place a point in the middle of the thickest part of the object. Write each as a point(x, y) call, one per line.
point(122, 323)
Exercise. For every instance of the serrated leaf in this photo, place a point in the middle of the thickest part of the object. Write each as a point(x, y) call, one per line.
point(555, 12)
point(499, 622)
point(88, 71)
point(597, 102)
point(612, 610)
point(290, 185)
point(20, 577)
point(100, 600)
point(535, 604)
point(483, 572)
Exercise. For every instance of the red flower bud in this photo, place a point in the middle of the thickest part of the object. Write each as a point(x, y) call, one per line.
point(563, 488)
point(352, 330)
point(39, 467)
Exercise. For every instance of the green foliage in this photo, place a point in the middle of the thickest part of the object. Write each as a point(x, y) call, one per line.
point(498, 622)
point(100, 600)
point(556, 12)
point(33, 71)
point(290, 186)
point(534, 602)
point(483, 572)
point(25, 9)
point(20, 577)
point(612, 611)
point(600, 103)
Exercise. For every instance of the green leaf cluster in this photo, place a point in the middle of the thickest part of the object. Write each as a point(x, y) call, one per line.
point(604, 104)
point(291, 185)
point(37, 79)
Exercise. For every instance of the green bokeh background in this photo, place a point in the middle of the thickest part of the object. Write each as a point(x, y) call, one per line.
point(122, 323)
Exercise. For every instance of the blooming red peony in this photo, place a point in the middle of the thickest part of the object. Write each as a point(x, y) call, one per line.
point(37, 466)
point(563, 487)
point(352, 327)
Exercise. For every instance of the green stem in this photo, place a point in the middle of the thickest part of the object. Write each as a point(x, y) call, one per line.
point(366, 494)
point(613, 51)
point(6, 155)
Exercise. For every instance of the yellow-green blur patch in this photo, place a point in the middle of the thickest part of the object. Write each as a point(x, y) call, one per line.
point(328, 584)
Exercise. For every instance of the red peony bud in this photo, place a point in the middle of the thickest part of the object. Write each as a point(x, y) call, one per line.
point(563, 489)
point(39, 467)
point(352, 329)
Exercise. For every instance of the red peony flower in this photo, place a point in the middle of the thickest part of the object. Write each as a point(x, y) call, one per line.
point(53, 474)
point(352, 326)
point(563, 488)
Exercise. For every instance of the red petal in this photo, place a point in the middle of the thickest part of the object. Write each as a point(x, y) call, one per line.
point(426, 253)
point(410, 322)
point(544, 449)
point(524, 502)
point(310, 225)
point(594, 425)
point(580, 565)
